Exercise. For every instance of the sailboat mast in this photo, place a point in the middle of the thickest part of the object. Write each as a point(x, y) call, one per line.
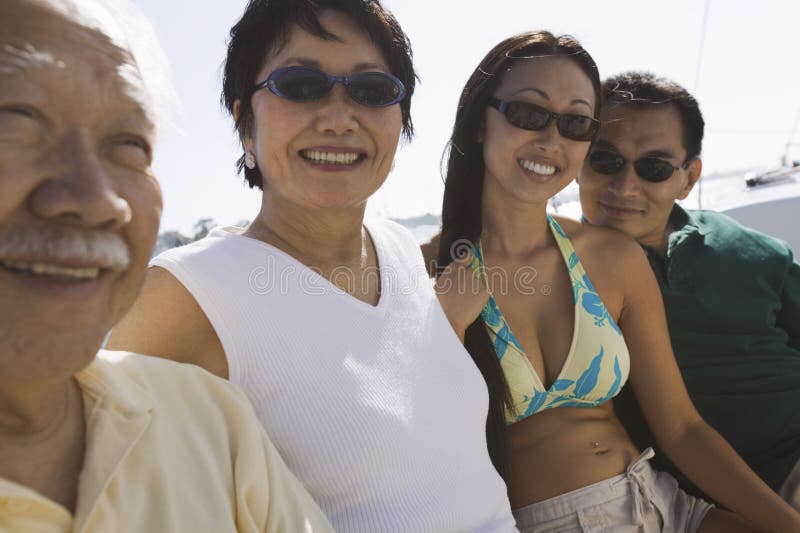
point(697, 69)
point(789, 143)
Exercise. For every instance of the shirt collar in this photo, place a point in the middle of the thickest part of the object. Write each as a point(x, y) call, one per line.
point(115, 389)
point(117, 412)
point(685, 226)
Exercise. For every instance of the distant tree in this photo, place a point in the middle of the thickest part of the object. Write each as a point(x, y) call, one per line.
point(202, 227)
point(170, 239)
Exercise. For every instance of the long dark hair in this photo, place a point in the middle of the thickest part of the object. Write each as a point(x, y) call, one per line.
point(461, 209)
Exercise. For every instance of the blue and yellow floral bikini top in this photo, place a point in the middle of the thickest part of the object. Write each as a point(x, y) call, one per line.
point(598, 362)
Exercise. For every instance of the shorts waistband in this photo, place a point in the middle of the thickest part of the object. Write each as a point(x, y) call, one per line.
point(637, 479)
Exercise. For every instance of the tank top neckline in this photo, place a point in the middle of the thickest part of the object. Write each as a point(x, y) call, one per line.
point(314, 276)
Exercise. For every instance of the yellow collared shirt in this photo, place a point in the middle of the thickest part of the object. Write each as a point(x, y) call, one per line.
point(170, 449)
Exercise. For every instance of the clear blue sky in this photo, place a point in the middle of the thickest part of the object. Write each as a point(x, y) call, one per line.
point(749, 84)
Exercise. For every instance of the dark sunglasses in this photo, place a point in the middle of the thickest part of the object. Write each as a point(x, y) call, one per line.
point(649, 168)
point(306, 84)
point(533, 117)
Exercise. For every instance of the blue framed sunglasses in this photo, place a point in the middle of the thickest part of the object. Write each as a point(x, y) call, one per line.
point(306, 84)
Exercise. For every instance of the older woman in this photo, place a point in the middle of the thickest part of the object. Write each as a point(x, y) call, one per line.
point(573, 312)
point(329, 323)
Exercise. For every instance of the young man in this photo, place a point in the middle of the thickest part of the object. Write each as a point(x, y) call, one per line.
point(732, 295)
point(116, 442)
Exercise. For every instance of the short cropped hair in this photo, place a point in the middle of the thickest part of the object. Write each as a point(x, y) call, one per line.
point(263, 30)
point(637, 88)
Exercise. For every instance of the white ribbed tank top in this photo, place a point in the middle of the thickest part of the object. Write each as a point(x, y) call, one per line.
point(378, 410)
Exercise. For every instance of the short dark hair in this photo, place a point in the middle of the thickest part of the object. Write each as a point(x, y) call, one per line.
point(639, 88)
point(463, 193)
point(264, 28)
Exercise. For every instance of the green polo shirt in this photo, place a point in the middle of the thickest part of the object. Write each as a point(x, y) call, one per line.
point(732, 298)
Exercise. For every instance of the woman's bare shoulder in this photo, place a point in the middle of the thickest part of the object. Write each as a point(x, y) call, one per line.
point(614, 261)
point(166, 321)
point(598, 241)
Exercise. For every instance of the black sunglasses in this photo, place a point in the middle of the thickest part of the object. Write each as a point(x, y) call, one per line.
point(306, 84)
point(533, 117)
point(649, 168)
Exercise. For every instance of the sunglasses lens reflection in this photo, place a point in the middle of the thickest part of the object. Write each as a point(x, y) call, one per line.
point(605, 162)
point(532, 117)
point(653, 169)
point(527, 116)
point(577, 127)
point(374, 89)
point(301, 85)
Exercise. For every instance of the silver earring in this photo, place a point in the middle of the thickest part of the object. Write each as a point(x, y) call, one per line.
point(249, 160)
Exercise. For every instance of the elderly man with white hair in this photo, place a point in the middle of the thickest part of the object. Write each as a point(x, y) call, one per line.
point(115, 442)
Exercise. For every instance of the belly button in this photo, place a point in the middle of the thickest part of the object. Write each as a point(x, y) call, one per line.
point(597, 450)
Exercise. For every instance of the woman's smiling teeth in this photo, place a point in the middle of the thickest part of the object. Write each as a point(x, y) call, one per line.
point(330, 158)
point(544, 170)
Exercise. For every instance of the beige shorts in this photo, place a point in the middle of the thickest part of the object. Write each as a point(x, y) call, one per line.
point(791, 487)
point(641, 499)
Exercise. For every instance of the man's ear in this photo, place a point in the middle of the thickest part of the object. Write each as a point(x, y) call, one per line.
point(692, 176)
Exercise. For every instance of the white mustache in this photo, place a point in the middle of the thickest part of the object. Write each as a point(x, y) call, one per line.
point(55, 244)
